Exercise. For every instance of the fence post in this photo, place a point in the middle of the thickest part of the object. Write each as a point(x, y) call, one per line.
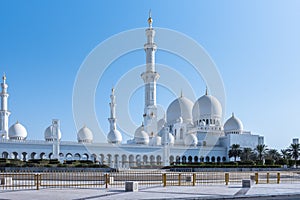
point(194, 179)
point(164, 176)
point(256, 178)
point(226, 178)
point(268, 177)
point(278, 177)
point(106, 180)
point(37, 182)
point(179, 179)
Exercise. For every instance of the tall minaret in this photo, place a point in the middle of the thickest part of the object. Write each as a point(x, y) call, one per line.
point(4, 113)
point(114, 136)
point(112, 105)
point(150, 76)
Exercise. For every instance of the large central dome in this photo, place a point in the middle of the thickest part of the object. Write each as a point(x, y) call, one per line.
point(180, 108)
point(207, 107)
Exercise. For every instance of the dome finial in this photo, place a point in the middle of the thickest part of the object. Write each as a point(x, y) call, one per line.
point(206, 93)
point(150, 19)
point(232, 114)
point(181, 94)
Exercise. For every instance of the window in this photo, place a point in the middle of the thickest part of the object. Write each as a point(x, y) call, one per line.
point(181, 133)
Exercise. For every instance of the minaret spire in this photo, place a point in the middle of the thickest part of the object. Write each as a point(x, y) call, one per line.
point(114, 136)
point(150, 19)
point(4, 113)
point(112, 120)
point(150, 77)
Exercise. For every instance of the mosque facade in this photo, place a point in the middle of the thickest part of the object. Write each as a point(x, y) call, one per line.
point(189, 132)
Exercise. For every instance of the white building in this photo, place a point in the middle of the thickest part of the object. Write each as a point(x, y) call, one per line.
point(191, 132)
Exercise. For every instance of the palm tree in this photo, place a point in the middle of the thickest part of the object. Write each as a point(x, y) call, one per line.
point(294, 151)
point(234, 151)
point(273, 154)
point(261, 151)
point(285, 154)
point(246, 153)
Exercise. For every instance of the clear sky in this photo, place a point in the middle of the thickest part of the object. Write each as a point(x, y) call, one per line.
point(255, 45)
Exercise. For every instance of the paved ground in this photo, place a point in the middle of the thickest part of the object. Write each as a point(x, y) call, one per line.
point(261, 191)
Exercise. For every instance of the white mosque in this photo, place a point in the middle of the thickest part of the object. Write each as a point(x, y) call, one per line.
point(190, 131)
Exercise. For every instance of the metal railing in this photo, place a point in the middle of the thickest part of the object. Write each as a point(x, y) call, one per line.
point(94, 179)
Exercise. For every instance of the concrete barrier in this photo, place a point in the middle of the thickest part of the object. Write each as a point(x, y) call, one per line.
point(246, 183)
point(6, 181)
point(131, 186)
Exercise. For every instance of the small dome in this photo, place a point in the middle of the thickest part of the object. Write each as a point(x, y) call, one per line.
point(155, 141)
point(17, 132)
point(207, 107)
point(140, 136)
point(169, 138)
point(85, 135)
point(190, 140)
point(233, 124)
point(114, 136)
point(180, 107)
point(48, 133)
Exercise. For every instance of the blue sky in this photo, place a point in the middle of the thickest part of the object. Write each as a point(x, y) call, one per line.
point(255, 45)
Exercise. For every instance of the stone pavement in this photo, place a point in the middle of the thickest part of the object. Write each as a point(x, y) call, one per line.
point(261, 191)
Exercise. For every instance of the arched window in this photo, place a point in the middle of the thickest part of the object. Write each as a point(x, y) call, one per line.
point(207, 159)
point(218, 159)
point(190, 158)
point(213, 159)
point(223, 159)
point(201, 159)
point(183, 159)
point(207, 122)
point(177, 159)
point(204, 143)
point(181, 133)
point(196, 159)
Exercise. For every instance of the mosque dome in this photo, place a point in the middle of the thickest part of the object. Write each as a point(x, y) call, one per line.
point(48, 133)
point(85, 135)
point(180, 107)
point(140, 136)
point(114, 136)
point(17, 132)
point(233, 124)
point(207, 107)
point(190, 140)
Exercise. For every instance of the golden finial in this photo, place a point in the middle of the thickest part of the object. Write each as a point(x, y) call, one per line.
point(150, 19)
